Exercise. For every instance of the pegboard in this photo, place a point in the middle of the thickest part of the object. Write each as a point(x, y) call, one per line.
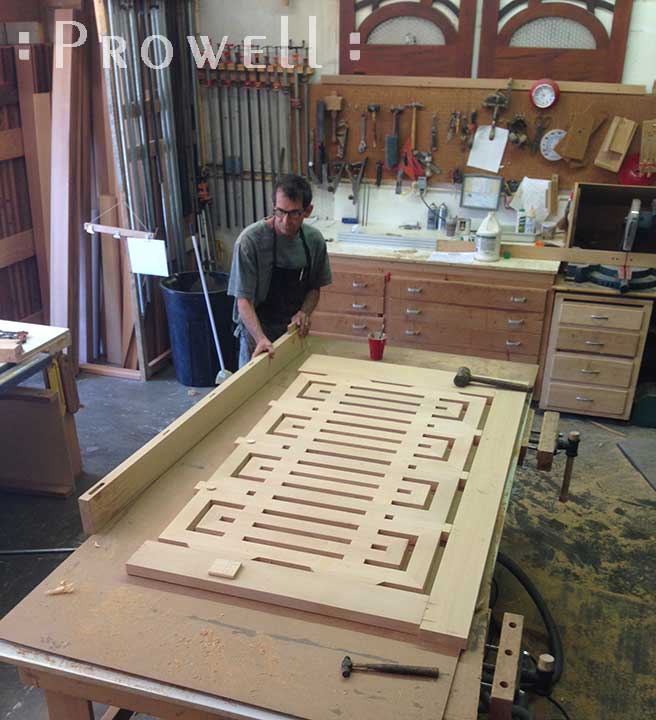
point(468, 95)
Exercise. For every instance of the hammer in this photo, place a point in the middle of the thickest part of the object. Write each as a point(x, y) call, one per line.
point(413, 133)
point(348, 666)
point(464, 376)
point(373, 109)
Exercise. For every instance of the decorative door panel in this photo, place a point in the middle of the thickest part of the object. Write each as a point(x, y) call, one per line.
point(345, 497)
point(567, 40)
point(415, 38)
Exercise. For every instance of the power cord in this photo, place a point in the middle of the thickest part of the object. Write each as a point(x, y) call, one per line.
point(558, 705)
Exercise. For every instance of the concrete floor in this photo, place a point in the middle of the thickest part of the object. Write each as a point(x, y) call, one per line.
point(593, 559)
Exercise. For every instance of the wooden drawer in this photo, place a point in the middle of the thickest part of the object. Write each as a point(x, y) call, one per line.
point(439, 315)
point(602, 342)
point(338, 324)
point(523, 322)
point(507, 341)
point(345, 303)
point(358, 283)
point(586, 399)
point(619, 317)
point(593, 370)
point(468, 294)
point(414, 332)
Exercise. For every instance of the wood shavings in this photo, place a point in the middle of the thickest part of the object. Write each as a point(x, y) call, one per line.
point(192, 393)
point(64, 588)
point(96, 544)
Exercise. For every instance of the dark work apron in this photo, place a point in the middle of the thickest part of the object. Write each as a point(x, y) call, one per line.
point(287, 291)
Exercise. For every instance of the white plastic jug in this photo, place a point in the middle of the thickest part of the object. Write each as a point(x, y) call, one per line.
point(488, 240)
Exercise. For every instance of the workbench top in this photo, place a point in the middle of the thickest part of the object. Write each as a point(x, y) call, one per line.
point(40, 338)
point(260, 655)
point(451, 259)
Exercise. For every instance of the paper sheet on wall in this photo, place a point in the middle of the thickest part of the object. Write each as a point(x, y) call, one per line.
point(533, 193)
point(148, 257)
point(485, 153)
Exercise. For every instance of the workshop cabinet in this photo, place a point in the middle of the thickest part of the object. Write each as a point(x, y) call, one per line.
point(594, 354)
point(466, 310)
point(353, 306)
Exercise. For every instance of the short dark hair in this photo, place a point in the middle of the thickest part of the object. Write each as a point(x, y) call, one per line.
point(293, 187)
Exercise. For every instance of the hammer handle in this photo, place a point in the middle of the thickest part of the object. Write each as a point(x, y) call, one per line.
point(416, 670)
point(502, 384)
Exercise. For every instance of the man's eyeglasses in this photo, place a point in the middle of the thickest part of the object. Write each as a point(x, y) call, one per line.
point(291, 214)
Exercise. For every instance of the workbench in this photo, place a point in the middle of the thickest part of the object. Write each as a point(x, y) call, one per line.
point(174, 652)
point(38, 436)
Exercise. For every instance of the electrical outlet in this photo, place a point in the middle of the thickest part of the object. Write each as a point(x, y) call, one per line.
point(422, 183)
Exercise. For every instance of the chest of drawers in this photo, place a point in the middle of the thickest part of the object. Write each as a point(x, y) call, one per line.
point(594, 353)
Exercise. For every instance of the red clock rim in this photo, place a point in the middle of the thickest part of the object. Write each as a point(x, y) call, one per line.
point(545, 81)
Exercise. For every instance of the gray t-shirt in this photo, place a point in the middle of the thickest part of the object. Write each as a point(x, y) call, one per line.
point(252, 262)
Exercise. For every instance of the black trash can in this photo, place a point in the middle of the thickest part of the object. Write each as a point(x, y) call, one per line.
point(192, 346)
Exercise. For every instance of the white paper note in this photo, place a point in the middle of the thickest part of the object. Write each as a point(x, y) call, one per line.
point(485, 153)
point(532, 193)
point(148, 257)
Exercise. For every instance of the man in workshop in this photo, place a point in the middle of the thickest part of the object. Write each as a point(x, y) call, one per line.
point(278, 269)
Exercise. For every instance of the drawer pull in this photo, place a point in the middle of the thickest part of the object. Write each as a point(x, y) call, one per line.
point(413, 332)
point(412, 311)
point(513, 343)
point(359, 285)
point(358, 306)
point(590, 372)
point(594, 343)
point(358, 327)
point(518, 299)
point(415, 290)
point(515, 323)
point(598, 317)
point(579, 398)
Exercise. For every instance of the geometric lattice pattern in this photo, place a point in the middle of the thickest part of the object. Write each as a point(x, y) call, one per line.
point(406, 30)
point(340, 500)
point(554, 32)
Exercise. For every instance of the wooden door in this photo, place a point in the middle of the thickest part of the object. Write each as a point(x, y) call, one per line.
point(430, 37)
point(561, 40)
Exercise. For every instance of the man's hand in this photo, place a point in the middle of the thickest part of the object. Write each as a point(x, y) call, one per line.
point(302, 319)
point(263, 346)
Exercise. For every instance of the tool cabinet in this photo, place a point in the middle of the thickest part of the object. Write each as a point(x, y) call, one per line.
point(594, 354)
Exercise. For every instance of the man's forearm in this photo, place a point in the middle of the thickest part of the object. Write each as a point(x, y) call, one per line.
point(310, 302)
point(249, 318)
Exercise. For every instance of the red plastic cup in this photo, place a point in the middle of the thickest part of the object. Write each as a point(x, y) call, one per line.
point(376, 347)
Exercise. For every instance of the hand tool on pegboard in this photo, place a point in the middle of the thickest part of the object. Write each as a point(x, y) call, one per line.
point(392, 141)
point(498, 102)
point(373, 110)
point(454, 121)
point(542, 122)
point(414, 106)
point(362, 147)
point(518, 130)
point(434, 139)
point(355, 172)
point(348, 667)
point(342, 138)
point(334, 104)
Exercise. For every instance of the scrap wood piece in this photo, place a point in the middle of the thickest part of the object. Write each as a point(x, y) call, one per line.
point(616, 143)
point(11, 351)
point(506, 672)
point(548, 439)
point(65, 587)
point(582, 127)
point(647, 164)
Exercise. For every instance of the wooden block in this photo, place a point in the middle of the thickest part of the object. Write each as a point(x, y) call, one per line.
point(506, 671)
point(526, 438)
point(548, 440)
point(616, 143)
point(224, 568)
point(648, 147)
point(11, 351)
point(582, 126)
point(552, 198)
